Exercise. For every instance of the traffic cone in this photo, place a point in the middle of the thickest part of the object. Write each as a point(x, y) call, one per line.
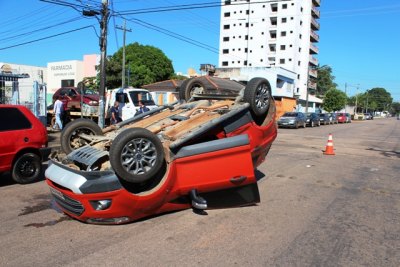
point(329, 146)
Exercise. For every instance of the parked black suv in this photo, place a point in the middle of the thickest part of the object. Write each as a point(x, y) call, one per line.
point(312, 119)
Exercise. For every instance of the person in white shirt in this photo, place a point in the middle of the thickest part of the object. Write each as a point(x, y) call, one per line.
point(58, 110)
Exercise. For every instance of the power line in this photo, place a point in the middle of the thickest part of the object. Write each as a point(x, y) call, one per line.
point(47, 37)
point(41, 29)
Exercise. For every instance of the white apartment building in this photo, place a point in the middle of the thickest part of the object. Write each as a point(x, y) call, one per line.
point(272, 33)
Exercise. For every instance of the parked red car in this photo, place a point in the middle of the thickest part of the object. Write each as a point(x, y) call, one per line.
point(343, 117)
point(201, 154)
point(71, 98)
point(23, 143)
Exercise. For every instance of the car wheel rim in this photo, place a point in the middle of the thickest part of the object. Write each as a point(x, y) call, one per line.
point(76, 141)
point(262, 96)
point(26, 168)
point(138, 156)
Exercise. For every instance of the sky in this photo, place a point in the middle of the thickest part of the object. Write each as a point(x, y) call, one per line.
point(359, 39)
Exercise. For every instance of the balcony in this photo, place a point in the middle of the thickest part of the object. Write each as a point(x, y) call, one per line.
point(314, 24)
point(313, 49)
point(316, 2)
point(313, 61)
point(313, 73)
point(315, 12)
point(314, 36)
point(312, 85)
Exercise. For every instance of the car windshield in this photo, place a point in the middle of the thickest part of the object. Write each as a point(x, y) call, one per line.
point(308, 115)
point(89, 92)
point(290, 114)
point(143, 96)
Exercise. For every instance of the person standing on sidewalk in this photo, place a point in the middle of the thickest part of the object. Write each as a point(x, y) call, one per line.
point(58, 110)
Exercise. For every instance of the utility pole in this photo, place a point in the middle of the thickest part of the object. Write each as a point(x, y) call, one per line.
point(103, 49)
point(123, 51)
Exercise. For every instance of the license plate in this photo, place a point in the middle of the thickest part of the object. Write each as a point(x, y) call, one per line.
point(56, 193)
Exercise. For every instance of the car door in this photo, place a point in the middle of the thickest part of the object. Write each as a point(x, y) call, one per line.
point(74, 98)
point(221, 171)
point(13, 134)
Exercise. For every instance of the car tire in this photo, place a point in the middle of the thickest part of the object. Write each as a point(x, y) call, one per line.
point(136, 155)
point(258, 94)
point(70, 139)
point(312, 124)
point(189, 86)
point(27, 168)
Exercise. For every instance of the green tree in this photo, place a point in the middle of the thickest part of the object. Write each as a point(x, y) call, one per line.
point(380, 98)
point(325, 80)
point(334, 100)
point(396, 107)
point(146, 64)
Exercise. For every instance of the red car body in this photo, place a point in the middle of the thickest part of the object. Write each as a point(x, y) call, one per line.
point(208, 147)
point(23, 139)
point(343, 117)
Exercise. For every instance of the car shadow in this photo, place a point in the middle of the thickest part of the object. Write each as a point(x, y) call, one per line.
point(7, 180)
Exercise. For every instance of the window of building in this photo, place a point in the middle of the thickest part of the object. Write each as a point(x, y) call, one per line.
point(272, 34)
point(225, 51)
point(262, 33)
point(225, 39)
point(290, 59)
point(245, 50)
point(299, 63)
point(300, 36)
point(224, 63)
point(247, 12)
point(291, 18)
point(301, 9)
point(245, 62)
point(247, 24)
point(226, 27)
point(274, 7)
point(239, 49)
point(283, 20)
point(290, 45)
point(291, 32)
point(301, 22)
point(227, 14)
point(246, 37)
point(283, 47)
point(282, 61)
point(261, 60)
point(239, 61)
point(298, 76)
point(299, 49)
point(284, 6)
point(283, 33)
point(227, 2)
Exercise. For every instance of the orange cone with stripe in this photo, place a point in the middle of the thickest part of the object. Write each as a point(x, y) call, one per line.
point(329, 146)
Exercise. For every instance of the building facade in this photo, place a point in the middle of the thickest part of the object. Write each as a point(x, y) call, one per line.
point(24, 77)
point(272, 33)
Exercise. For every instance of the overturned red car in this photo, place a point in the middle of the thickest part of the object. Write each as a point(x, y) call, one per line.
point(199, 153)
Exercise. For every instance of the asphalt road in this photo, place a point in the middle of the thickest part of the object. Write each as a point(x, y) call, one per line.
point(315, 210)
